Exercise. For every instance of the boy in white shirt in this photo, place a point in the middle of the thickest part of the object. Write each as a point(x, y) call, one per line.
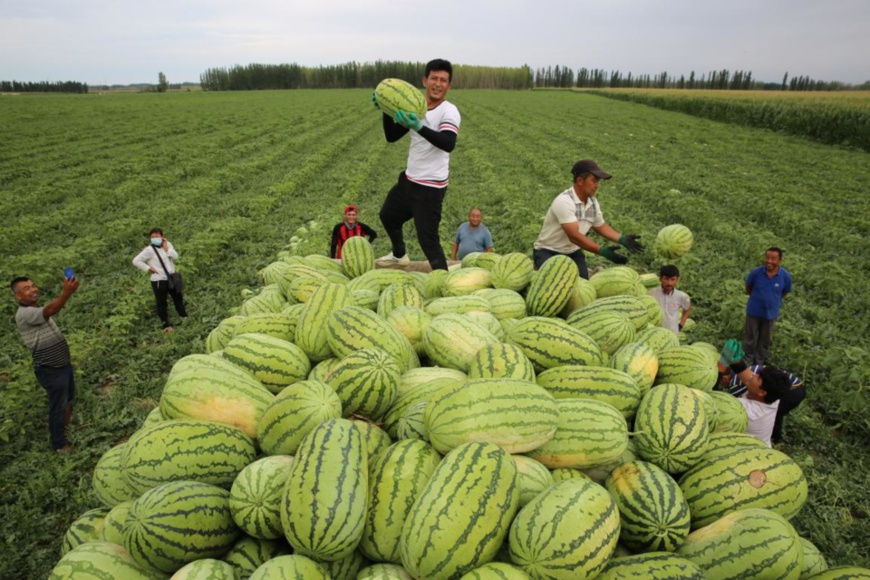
point(676, 304)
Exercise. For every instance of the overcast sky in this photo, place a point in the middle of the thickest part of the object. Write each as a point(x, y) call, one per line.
point(122, 41)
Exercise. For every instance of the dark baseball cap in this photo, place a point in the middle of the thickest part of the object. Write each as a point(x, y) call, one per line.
point(589, 166)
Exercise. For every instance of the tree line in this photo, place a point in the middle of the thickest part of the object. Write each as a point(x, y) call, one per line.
point(43, 87)
point(355, 75)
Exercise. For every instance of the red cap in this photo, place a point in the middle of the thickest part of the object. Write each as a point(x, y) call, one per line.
point(350, 208)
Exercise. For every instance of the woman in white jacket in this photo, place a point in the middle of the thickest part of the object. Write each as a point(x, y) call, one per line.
point(157, 258)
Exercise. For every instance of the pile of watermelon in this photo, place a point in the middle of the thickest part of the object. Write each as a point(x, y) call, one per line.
point(488, 422)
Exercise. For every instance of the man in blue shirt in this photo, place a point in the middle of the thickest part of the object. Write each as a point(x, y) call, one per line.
point(766, 285)
point(472, 236)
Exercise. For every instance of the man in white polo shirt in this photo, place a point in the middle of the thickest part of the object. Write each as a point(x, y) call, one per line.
point(419, 192)
point(572, 214)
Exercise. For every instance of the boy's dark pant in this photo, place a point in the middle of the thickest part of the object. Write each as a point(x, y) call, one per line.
point(59, 385)
point(408, 200)
point(161, 291)
point(788, 402)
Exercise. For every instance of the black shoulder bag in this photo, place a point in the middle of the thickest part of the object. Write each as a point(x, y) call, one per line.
point(174, 280)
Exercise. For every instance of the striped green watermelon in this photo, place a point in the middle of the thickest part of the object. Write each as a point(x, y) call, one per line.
point(248, 554)
point(323, 263)
point(274, 272)
point(109, 484)
point(155, 415)
point(514, 414)
point(658, 338)
point(488, 321)
point(614, 281)
point(186, 449)
point(485, 260)
point(412, 424)
point(582, 294)
point(673, 241)
point(114, 522)
point(277, 324)
point(599, 473)
point(352, 328)
point(587, 382)
point(670, 428)
point(457, 305)
point(296, 411)
point(551, 288)
point(629, 306)
point(505, 303)
point(274, 362)
point(724, 442)
point(303, 288)
point(732, 415)
point(413, 378)
point(638, 361)
point(452, 340)
point(750, 543)
point(396, 295)
point(347, 568)
point(565, 473)
point(654, 515)
point(86, 528)
point(589, 433)
point(381, 278)
point(567, 532)
point(357, 257)
point(841, 573)
point(394, 95)
point(255, 497)
point(221, 334)
point(744, 478)
point(434, 286)
point(813, 562)
point(384, 571)
point(534, 478)
point(206, 569)
point(411, 323)
point(654, 309)
point(513, 271)
point(179, 522)
point(374, 438)
point(501, 360)
point(654, 565)
point(101, 560)
point(496, 571)
point(422, 392)
point(312, 333)
point(464, 281)
point(321, 370)
point(269, 299)
point(367, 299)
point(366, 381)
point(324, 504)
point(686, 366)
point(397, 476)
point(611, 330)
point(295, 567)
point(462, 515)
point(551, 342)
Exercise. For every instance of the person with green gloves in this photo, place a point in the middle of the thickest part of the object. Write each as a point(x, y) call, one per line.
point(572, 214)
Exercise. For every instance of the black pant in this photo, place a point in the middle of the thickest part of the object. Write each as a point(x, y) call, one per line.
point(579, 258)
point(408, 200)
point(757, 335)
point(60, 387)
point(788, 402)
point(161, 291)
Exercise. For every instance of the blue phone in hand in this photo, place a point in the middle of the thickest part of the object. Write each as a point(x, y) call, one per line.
point(68, 272)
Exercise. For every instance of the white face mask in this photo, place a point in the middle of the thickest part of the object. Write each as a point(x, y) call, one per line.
point(156, 241)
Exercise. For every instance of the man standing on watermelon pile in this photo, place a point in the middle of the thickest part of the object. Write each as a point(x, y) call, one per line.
point(767, 393)
point(419, 192)
point(51, 359)
point(348, 229)
point(766, 285)
point(572, 214)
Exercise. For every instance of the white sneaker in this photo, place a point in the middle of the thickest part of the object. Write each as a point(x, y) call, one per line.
point(391, 259)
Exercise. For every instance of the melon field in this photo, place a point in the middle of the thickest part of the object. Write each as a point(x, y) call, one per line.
point(239, 181)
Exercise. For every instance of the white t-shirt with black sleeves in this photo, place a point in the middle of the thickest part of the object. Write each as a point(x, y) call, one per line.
point(428, 165)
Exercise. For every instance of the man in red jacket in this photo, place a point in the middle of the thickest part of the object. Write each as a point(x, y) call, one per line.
point(347, 229)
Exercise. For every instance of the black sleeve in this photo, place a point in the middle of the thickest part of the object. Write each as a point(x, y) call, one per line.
point(392, 130)
point(333, 246)
point(369, 232)
point(444, 140)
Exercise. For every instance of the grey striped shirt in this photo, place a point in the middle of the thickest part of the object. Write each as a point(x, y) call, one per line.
point(44, 339)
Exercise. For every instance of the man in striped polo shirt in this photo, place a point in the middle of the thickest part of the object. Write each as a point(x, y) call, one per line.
point(51, 358)
point(419, 192)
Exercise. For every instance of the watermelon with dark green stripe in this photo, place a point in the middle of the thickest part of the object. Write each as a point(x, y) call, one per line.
point(488, 321)
point(412, 424)
point(614, 281)
point(384, 571)
point(109, 484)
point(186, 449)
point(396, 295)
point(505, 303)
point(303, 288)
point(569, 531)
point(551, 288)
point(86, 528)
point(670, 428)
point(411, 322)
point(357, 257)
point(496, 571)
point(295, 567)
point(513, 271)
point(686, 366)
point(611, 330)
point(394, 95)
point(256, 494)
point(587, 382)
point(588, 433)
point(366, 381)
point(374, 438)
point(744, 478)
point(841, 573)
point(221, 334)
point(346, 568)
point(654, 515)
point(464, 281)
point(312, 333)
point(724, 442)
point(101, 560)
point(732, 417)
point(248, 554)
point(206, 569)
point(179, 522)
point(275, 324)
point(413, 378)
point(658, 338)
point(673, 241)
point(582, 294)
point(353, 328)
point(457, 305)
point(652, 565)
point(296, 411)
point(273, 361)
point(321, 370)
point(501, 360)
point(396, 477)
point(600, 472)
point(551, 342)
point(564, 473)
point(381, 278)
point(323, 511)
point(199, 362)
point(629, 306)
point(750, 543)
point(534, 478)
point(114, 522)
point(813, 562)
point(710, 408)
point(654, 309)
point(269, 299)
point(514, 414)
point(639, 361)
point(452, 340)
point(367, 299)
point(155, 415)
point(420, 393)
point(459, 520)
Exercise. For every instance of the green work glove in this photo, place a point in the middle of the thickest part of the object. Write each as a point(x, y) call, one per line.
point(408, 120)
point(609, 252)
point(631, 241)
point(375, 101)
point(732, 355)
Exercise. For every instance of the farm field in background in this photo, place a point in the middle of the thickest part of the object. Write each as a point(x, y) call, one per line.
point(232, 176)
